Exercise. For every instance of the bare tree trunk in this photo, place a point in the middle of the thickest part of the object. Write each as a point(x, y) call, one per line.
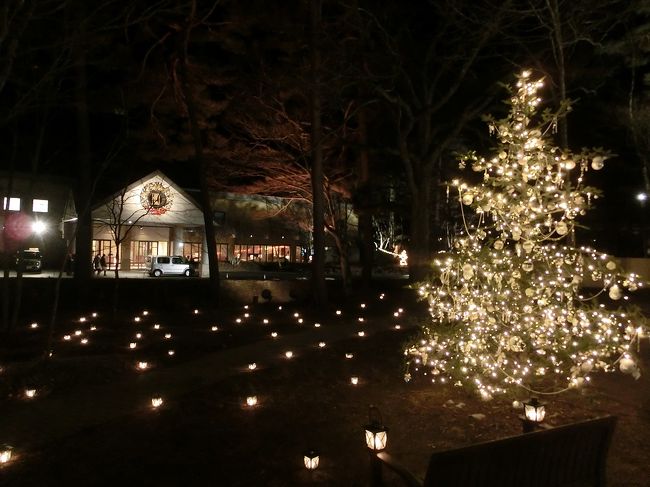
point(83, 247)
point(202, 167)
point(5, 254)
point(419, 258)
point(366, 247)
point(319, 290)
point(634, 129)
point(557, 42)
point(344, 263)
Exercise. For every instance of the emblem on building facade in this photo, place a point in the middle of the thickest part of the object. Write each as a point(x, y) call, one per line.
point(156, 198)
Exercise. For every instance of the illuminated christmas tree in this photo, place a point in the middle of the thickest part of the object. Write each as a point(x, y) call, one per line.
point(514, 303)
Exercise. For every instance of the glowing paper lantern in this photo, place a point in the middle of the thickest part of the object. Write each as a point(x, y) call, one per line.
point(311, 460)
point(5, 453)
point(251, 401)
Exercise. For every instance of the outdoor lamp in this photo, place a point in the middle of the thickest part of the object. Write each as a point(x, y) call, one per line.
point(534, 413)
point(156, 402)
point(534, 410)
point(251, 401)
point(38, 227)
point(5, 453)
point(311, 459)
point(30, 393)
point(376, 432)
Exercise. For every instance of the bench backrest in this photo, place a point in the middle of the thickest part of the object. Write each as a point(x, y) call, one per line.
point(568, 456)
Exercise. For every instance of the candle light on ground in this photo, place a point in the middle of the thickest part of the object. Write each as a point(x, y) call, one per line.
point(5, 453)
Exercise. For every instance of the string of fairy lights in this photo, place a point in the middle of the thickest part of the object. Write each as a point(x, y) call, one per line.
point(514, 304)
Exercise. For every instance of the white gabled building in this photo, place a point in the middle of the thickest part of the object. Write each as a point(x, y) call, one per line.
point(151, 216)
point(154, 216)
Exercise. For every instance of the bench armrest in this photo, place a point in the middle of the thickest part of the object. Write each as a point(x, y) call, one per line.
point(409, 479)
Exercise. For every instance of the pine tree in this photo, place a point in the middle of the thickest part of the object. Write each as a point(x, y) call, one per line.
point(514, 303)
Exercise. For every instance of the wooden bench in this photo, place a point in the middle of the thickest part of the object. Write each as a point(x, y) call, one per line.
point(567, 456)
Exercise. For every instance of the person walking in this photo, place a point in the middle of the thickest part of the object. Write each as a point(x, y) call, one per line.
point(97, 264)
point(102, 263)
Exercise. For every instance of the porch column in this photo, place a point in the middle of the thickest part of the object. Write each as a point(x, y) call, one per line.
point(176, 236)
point(205, 265)
point(125, 253)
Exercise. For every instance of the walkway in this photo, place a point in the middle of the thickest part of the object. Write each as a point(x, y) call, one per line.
point(50, 418)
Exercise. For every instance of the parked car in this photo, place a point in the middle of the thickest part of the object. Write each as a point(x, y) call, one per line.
point(29, 260)
point(168, 265)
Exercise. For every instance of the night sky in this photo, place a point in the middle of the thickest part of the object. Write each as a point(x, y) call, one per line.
point(249, 70)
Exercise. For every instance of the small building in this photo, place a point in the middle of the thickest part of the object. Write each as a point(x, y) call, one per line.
point(33, 215)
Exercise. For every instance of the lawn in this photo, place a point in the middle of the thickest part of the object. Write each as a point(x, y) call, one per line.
point(91, 422)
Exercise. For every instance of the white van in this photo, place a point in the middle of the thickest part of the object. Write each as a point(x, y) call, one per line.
point(168, 265)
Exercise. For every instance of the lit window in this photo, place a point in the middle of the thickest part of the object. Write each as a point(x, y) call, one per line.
point(39, 206)
point(14, 204)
